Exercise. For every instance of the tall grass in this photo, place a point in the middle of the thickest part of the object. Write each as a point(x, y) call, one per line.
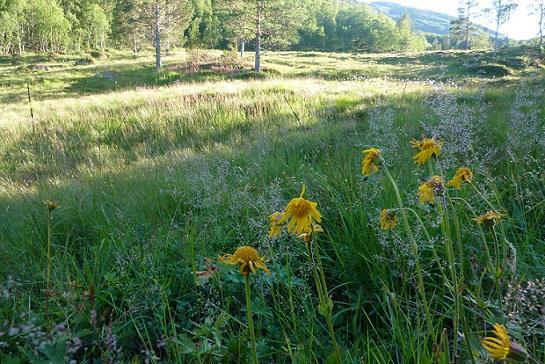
point(154, 183)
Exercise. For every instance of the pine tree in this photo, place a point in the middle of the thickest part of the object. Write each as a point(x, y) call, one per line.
point(466, 12)
point(166, 21)
point(274, 23)
point(502, 10)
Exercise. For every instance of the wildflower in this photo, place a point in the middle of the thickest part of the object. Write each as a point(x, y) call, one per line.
point(248, 260)
point(463, 174)
point(369, 163)
point(501, 347)
point(51, 205)
point(427, 190)
point(490, 218)
point(388, 219)
point(275, 228)
point(429, 147)
point(302, 214)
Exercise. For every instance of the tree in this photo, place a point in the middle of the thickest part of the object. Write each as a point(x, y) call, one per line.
point(205, 27)
point(466, 35)
point(502, 10)
point(319, 31)
point(404, 31)
point(465, 12)
point(166, 21)
point(537, 8)
point(96, 26)
point(12, 21)
point(362, 29)
point(274, 23)
point(47, 27)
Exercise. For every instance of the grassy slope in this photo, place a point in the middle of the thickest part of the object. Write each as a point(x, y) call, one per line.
point(154, 179)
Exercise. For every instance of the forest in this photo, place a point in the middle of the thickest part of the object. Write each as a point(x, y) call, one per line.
point(325, 25)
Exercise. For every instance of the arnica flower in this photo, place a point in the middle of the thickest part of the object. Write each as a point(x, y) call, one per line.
point(369, 163)
point(248, 260)
point(275, 228)
point(429, 189)
point(429, 147)
point(489, 219)
point(463, 174)
point(501, 347)
point(388, 219)
point(51, 205)
point(301, 214)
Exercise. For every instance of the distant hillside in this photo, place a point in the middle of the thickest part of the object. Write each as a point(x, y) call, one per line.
point(426, 21)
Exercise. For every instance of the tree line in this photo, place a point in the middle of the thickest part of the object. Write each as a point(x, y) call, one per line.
point(326, 25)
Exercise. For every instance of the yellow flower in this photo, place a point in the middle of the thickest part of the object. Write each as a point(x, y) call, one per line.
point(501, 347)
point(428, 147)
point(248, 260)
point(275, 228)
point(463, 174)
point(369, 163)
point(388, 219)
point(427, 190)
point(490, 218)
point(498, 346)
point(302, 214)
point(51, 205)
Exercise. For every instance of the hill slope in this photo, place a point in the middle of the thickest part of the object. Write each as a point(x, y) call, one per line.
point(427, 21)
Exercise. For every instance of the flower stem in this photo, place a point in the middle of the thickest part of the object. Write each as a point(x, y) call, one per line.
point(414, 248)
point(326, 304)
point(48, 279)
point(250, 319)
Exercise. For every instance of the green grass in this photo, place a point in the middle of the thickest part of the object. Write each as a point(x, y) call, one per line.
point(158, 175)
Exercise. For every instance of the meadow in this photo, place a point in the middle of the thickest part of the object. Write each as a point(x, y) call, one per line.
point(123, 190)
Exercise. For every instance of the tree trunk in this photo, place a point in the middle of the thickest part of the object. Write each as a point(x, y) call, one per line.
point(157, 37)
point(541, 20)
point(258, 36)
point(496, 44)
point(242, 48)
point(134, 44)
point(467, 30)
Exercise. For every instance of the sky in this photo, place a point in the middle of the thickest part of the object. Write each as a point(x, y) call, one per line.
point(520, 26)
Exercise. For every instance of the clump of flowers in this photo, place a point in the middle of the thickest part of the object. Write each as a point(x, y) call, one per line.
point(428, 147)
point(463, 174)
point(489, 218)
point(500, 347)
point(429, 189)
point(248, 260)
point(388, 219)
point(370, 161)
